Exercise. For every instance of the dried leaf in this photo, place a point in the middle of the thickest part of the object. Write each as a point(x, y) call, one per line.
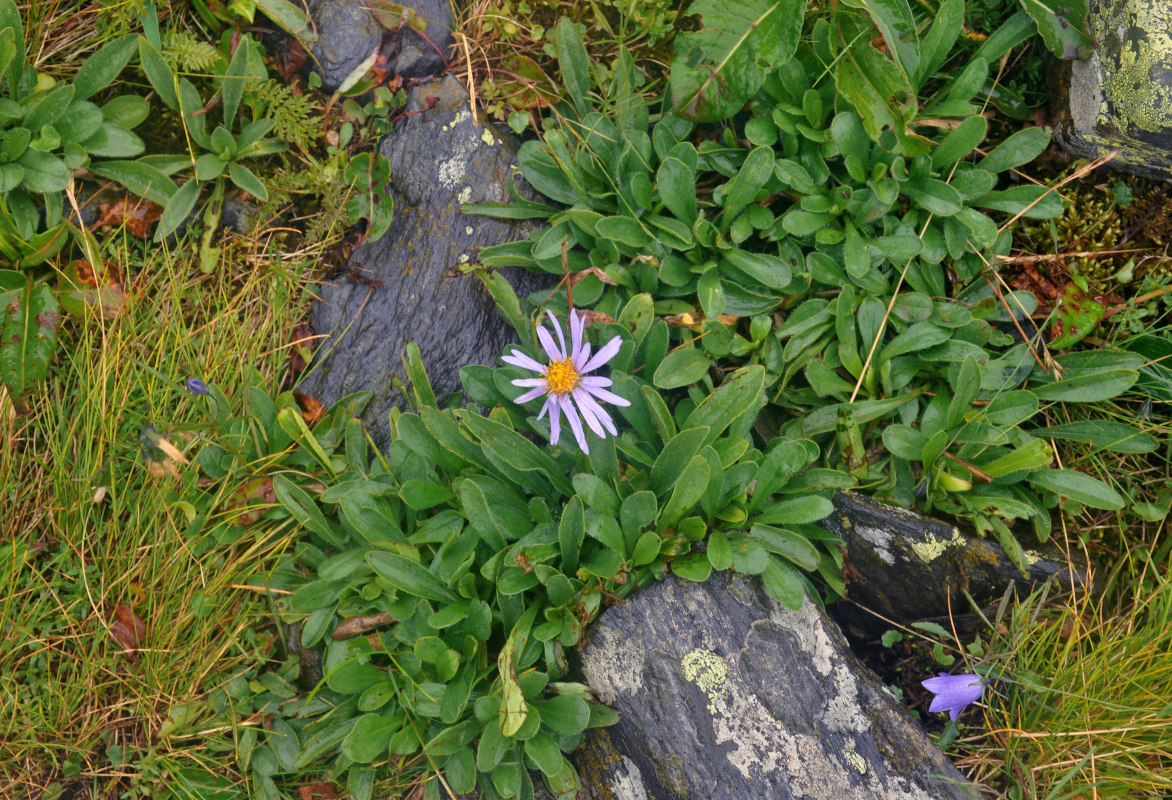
point(590, 317)
point(289, 60)
point(319, 790)
point(79, 288)
point(394, 16)
point(127, 627)
point(576, 277)
point(312, 409)
point(355, 626)
point(302, 345)
point(137, 214)
point(695, 321)
point(241, 501)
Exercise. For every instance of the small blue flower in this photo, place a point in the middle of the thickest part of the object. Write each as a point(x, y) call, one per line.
point(196, 386)
point(953, 692)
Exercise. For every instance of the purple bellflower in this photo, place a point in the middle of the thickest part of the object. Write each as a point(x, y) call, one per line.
point(953, 692)
point(196, 386)
point(567, 388)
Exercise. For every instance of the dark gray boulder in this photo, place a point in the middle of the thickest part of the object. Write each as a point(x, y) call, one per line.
point(723, 694)
point(908, 567)
point(1121, 97)
point(348, 33)
point(439, 159)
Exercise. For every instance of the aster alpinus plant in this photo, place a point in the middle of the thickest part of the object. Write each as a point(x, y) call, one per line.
point(567, 388)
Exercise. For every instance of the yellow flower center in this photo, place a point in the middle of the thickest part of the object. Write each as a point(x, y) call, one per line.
point(561, 377)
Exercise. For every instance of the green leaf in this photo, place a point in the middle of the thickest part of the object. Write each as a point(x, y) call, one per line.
point(505, 445)
point(694, 567)
point(370, 738)
point(158, 73)
point(141, 179)
point(80, 122)
point(409, 577)
point(743, 188)
point(676, 454)
point(460, 771)
point(676, 181)
point(784, 584)
point(682, 367)
point(571, 533)
point(48, 106)
point(795, 511)
point(770, 270)
point(880, 92)
point(1106, 434)
point(1087, 388)
point(178, 209)
point(305, 510)
point(740, 395)
point(917, 336)
point(1077, 486)
point(935, 196)
point(596, 493)
point(1019, 148)
point(127, 111)
point(574, 64)
point(544, 751)
point(938, 41)
point(788, 545)
point(113, 141)
point(100, 69)
point(291, 18)
point(895, 21)
point(14, 142)
point(960, 142)
point(719, 67)
point(1062, 24)
point(246, 180)
point(720, 553)
point(28, 336)
point(232, 85)
point(43, 172)
point(688, 490)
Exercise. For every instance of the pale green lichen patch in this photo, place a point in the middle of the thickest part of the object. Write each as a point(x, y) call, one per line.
point(709, 672)
point(488, 138)
point(932, 547)
point(857, 762)
point(1135, 44)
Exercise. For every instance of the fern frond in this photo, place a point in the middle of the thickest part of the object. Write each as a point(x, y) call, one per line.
point(186, 53)
point(295, 119)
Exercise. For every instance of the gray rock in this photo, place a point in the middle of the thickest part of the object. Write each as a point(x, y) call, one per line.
point(439, 159)
point(1121, 97)
point(725, 695)
point(348, 34)
point(417, 57)
point(908, 567)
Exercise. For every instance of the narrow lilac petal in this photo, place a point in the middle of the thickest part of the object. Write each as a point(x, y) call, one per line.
point(576, 426)
point(602, 356)
point(531, 394)
point(588, 413)
point(519, 359)
point(551, 348)
point(545, 406)
point(582, 357)
point(555, 421)
point(576, 326)
point(557, 328)
point(605, 396)
point(953, 692)
point(528, 382)
point(587, 402)
point(596, 381)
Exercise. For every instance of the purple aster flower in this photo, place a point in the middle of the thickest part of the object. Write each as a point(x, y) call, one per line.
point(567, 388)
point(196, 386)
point(953, 692)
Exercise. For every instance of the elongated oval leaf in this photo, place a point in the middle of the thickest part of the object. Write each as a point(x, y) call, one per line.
point(1077, 486)
point(736, 44)
point(28, 336)
point(409, 577)
point(103, 67)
